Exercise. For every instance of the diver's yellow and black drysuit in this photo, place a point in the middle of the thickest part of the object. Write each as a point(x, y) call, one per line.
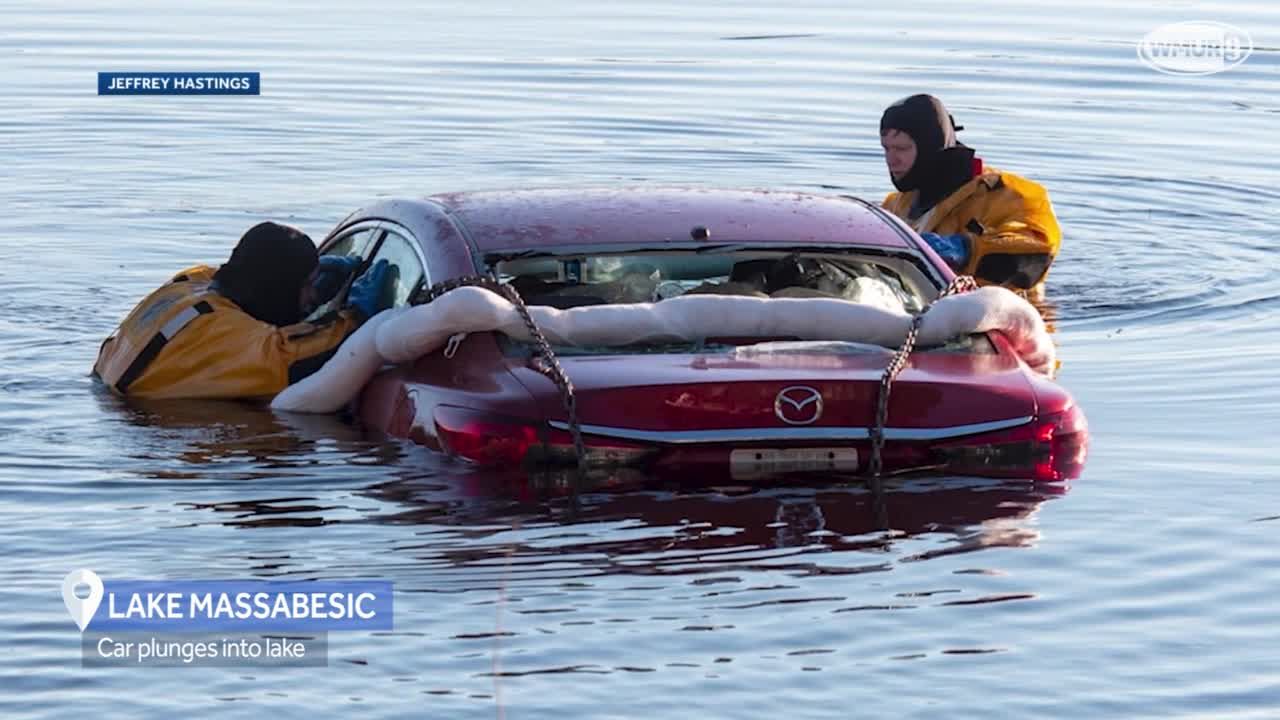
point(186, 340)
point(1014, 234)
point(1006, 221)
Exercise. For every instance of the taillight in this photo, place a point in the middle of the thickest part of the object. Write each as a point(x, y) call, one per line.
point(1049, 448)
point(482, 438)
point(498, 440)
point(1070, 445)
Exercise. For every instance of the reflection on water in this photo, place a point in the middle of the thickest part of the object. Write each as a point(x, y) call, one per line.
point(212, 430)
point(828, 516)
point(828, 528)
point(507, 564)
point(254, 443)
point(837, 518)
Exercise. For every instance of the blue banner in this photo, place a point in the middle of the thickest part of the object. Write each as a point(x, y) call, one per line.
point(179, 83)
point(243, 605)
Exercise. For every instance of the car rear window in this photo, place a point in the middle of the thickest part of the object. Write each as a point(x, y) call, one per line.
point(574, 280)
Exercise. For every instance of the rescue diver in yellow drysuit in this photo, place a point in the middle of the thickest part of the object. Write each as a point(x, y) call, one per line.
point(236, 332)
point(994, 225)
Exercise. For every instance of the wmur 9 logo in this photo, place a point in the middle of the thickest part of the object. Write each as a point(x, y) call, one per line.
point(1195, 48)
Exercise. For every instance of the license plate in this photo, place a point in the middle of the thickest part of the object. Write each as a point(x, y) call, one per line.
point(748, 463)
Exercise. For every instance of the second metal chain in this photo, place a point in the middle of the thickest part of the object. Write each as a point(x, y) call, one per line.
point(962, 284)
point(546, 362)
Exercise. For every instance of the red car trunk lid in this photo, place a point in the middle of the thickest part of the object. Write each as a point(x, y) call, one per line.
point(730, 391)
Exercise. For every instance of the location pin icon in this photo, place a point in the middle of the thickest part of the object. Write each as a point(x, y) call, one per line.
point(82, 610)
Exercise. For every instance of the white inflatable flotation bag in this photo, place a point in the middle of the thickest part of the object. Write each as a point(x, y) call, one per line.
point(402, 335)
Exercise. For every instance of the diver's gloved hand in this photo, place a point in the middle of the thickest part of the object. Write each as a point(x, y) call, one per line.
point(331, 275)
point(374, 291)
point(952, 248)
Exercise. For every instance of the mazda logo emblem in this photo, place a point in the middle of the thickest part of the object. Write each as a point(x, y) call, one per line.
point(798, 405)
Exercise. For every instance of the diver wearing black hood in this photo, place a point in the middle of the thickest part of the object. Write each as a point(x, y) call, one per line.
point(267, 271)
point(942, 164)
point(235, 332)
point(994, 225)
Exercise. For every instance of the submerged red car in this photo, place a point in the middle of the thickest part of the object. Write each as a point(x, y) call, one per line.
point(720, 408)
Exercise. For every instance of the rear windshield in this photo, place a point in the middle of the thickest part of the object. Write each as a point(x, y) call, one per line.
point(575, 280)
point(568, 280)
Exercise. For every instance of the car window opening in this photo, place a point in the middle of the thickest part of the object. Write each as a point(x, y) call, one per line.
point(370, 246)
point(576, 280)
point(570, 281)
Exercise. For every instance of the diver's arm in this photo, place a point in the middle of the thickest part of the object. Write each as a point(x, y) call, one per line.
point(1020, 220)
point(275, 357)
point(1018, 239)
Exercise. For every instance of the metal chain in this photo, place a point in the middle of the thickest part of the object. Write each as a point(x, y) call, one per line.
point(546, 362)
point(961, 284)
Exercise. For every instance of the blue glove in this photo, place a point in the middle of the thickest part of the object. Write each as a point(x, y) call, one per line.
point(953, 248)
point(331, 275)
point(375, 290)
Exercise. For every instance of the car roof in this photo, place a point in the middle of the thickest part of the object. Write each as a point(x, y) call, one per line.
point(530, 219)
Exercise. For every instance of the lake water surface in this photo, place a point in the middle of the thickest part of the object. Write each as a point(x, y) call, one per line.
point(1145, 590)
